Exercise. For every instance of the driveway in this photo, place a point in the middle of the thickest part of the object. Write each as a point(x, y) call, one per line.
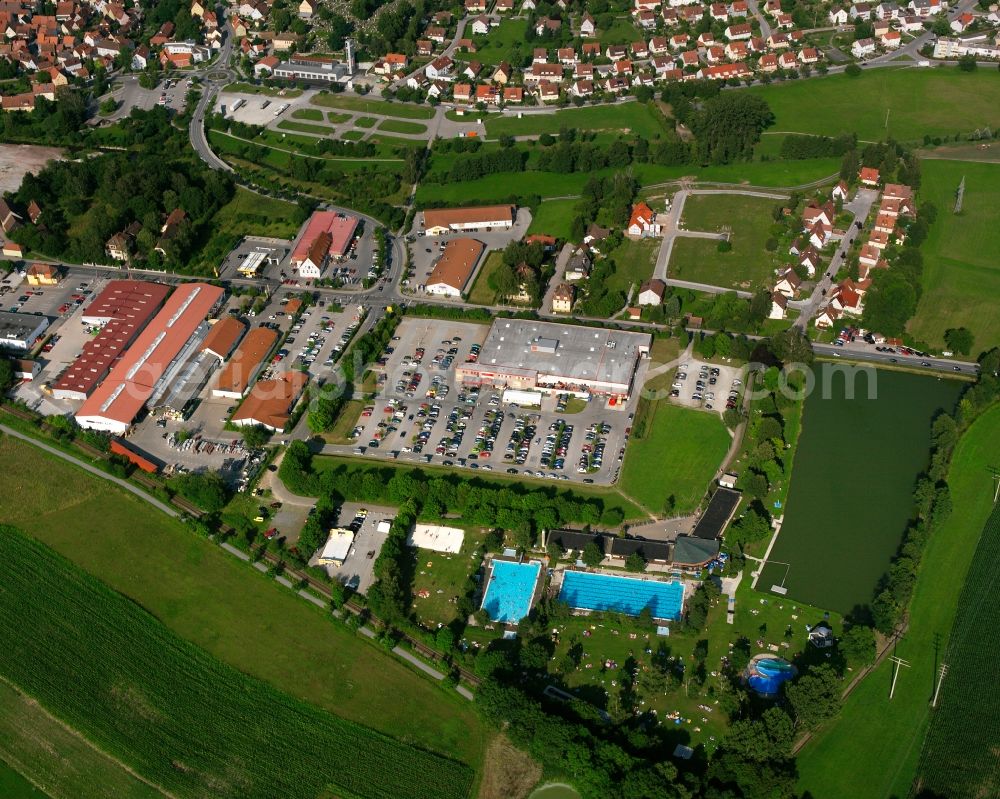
point(859, 208)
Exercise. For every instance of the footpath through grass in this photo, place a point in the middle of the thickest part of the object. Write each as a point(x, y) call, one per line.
point(961, 278)
point(671, 460)
point(207, 597)
point(177, 716)
point(879, 103)
point(871, 750)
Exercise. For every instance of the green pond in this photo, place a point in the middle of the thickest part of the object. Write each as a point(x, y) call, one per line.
point(851, 492)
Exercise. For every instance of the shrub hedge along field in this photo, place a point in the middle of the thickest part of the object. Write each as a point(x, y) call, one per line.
point(181, 719)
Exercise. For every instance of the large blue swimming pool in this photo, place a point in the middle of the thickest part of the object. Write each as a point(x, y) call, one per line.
point(508, 596)
point(622, 594)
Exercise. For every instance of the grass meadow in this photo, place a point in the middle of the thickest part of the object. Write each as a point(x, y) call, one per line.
point(747, 264)
point(674, 455)
point(961, 279)
point(554, 218)
point(871, 750)
point(881, 103)
point(637, 118)
point(207, 597)
point(183, 720)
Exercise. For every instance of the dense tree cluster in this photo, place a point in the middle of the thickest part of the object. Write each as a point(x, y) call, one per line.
point(798, 146)
point(88, 200)
point(729, 125)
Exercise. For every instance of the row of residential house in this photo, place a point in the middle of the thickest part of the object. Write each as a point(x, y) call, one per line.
point(567, 70)
point(57, 48)
point(818, 230)
point(847, 297)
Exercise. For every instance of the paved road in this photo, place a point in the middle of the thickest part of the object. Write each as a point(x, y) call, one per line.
point(196, 131)
point(93, 470)
point(859, 208)
point(870, 356)
point(765, 26)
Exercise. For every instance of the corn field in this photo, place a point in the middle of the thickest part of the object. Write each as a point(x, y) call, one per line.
point(180, 718)
point(960, 755)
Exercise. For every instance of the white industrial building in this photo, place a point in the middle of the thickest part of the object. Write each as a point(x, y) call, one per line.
point(336, 548)
point(19, 331)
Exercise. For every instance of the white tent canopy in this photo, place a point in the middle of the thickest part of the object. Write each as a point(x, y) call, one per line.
point(440, 539)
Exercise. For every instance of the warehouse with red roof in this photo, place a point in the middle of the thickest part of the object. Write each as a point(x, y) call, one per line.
point(119, 399)
point(124, 308)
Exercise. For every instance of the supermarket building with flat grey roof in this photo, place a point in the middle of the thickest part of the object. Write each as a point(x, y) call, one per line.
point(557, 358)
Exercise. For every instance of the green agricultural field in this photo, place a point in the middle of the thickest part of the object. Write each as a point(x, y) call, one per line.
point(51, 754)
point(950, 102)
point(401, 126)
point(207, 597)
point(890, 436)
point(496, 45)
point(483, 291)
point(961, 279)
point(14, 786)
point(364, 105)
point(871, 750)
point(183, 720)
point(309, 114)
point(748, 220)
point(636, 118)
point(554, 218)
point(611, 499)
point(672, 456)
point(960, 758)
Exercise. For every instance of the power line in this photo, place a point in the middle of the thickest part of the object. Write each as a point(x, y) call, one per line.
point(899, 662)
point(941, 674)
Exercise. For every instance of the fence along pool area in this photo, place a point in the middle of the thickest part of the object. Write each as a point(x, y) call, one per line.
point(590, 591)
point(510, 589)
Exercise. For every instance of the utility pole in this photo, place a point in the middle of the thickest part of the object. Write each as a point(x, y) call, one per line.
point(941, 673)
point(995, 473)
point(898, 663)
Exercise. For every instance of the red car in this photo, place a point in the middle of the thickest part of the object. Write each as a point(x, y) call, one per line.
point(271, 533)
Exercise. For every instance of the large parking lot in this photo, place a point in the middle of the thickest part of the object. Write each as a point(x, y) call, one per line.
point(711, 386)
point(251, 109)
point(422, 415)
